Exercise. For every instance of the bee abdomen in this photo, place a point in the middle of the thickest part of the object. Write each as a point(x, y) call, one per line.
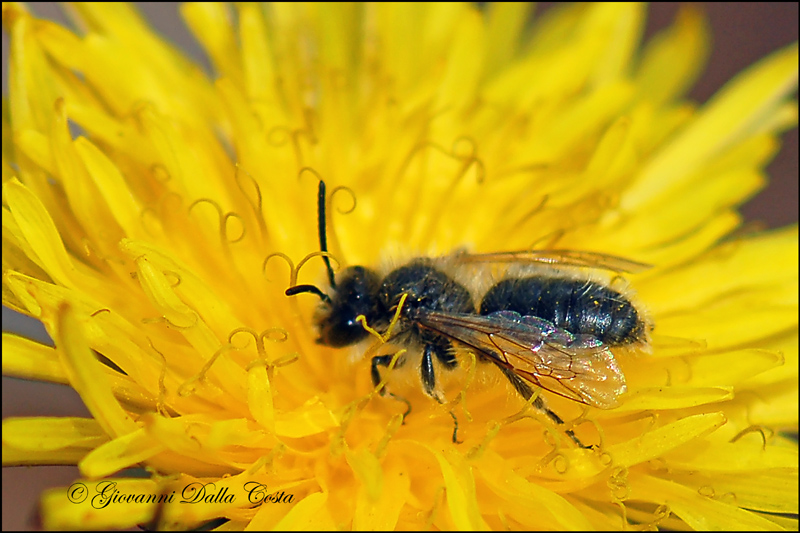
point(578, 306)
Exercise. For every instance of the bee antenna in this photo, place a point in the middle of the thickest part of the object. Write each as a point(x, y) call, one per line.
point(323, 237)
point(298, 289)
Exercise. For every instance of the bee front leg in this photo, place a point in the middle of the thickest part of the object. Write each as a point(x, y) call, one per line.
point(382, 360)
point(443, 352)
point(386, 360)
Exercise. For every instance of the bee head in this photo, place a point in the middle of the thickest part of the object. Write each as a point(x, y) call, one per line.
point(355, 293)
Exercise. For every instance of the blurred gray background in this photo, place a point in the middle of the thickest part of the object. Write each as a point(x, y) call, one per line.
point(742, 33)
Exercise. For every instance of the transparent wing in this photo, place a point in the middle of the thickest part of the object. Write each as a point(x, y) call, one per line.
point(578, 367)
point(574, 258)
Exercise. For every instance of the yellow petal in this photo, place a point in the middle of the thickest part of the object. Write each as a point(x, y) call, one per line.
point(25, 358)
point(504, 31)
point(86, 376)
point(528, 502)
point(310, 513)
point(656, 442)
point(731, 457)
point(118, 454)
point(674, 397)
point(383, 512)
point(673, 59)
point(729, 118)
point(88, 502)
point(460, 486)
point(259, 397)
point(49, 440)
point(697, 511)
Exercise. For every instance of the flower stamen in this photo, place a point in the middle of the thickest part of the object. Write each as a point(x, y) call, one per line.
point(462, 395)
point(584, 419)
point(268, 460)
point(223, 219)
point(384, 338)
point(187, 388)
point(761, 430)
point(351, 411)
point(259, 338)
point(305, 260)
point(293, 136)
point(618, 483)
point(257, 205)
point(394, 425)
point(292, 272)
point(438, 499)
point(493, 429)
point(161, 403)
point(168, 273)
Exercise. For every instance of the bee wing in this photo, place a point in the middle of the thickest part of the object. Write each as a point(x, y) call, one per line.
point(578, 367)
point(574, 258)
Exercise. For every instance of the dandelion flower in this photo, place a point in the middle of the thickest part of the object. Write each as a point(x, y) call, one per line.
point(150, 213)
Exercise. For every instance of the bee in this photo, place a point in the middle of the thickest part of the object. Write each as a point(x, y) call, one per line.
point(542, 328)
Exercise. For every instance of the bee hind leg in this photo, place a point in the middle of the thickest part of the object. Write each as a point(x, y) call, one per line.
point(526, 392)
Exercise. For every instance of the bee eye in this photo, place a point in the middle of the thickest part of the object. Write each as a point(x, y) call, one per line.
point(342, 332)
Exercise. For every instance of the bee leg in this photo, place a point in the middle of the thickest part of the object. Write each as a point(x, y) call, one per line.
point(427, 372)
point(443, 351)
point(386, 360)
point(445, 354)
point(526, 392)
point(442, 348)
point(455, 429)
point(379, 360)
